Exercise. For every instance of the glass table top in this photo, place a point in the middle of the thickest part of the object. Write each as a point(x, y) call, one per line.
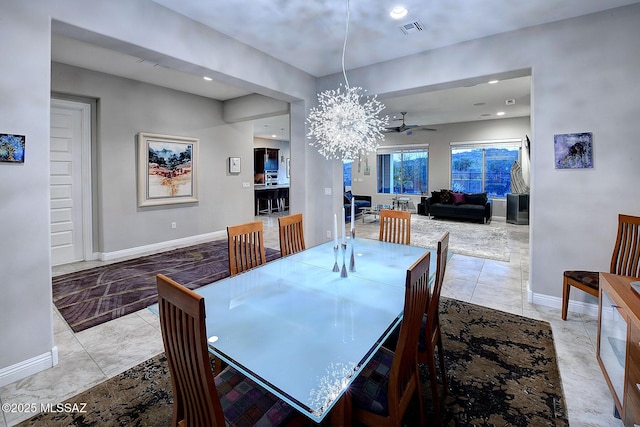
point(302, 331)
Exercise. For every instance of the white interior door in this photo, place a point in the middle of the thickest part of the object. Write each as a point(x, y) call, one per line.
point(70, 182)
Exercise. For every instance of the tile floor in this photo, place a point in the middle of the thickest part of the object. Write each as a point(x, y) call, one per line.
point(91, 356)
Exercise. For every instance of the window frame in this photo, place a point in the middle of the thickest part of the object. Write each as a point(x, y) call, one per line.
point(484, 144)
point(401, 149)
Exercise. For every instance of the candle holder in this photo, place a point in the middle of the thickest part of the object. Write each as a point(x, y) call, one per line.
point(343, 273)
point(336, 268)
point(352, 263)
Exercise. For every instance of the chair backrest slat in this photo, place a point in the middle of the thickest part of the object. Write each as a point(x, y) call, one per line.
point(291, 234)
point(182, 321)
point(433, 305)
point(626, 254)
point(405, 363)
point(246, 247)
point(395, 226)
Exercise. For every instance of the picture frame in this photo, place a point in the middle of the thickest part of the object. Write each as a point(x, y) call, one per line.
point(167, 169)
point(573, 150)
point(12, 148)
point(234, 165)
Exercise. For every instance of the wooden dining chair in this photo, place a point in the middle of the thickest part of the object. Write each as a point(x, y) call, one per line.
point(382, 392)
point(199, 398)
point(291, 234)
point(395, 226)
point(625, 261)
point(431, 336)
point(246, 247)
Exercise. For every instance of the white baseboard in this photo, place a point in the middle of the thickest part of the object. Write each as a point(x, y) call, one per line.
point(161, 246)
point(556, 302)
point(28, 367)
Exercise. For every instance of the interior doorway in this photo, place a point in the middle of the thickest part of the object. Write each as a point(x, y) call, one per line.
point(70, 182)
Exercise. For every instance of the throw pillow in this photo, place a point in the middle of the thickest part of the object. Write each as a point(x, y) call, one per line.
point(436, 197)
point(445, 197)
point(458, 198)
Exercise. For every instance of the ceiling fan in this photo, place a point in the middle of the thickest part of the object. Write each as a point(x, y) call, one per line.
point(405, 127)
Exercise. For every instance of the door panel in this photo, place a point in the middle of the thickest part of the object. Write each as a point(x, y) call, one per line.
point(68, 122)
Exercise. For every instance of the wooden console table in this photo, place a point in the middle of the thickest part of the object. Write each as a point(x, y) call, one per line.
point(618, 350)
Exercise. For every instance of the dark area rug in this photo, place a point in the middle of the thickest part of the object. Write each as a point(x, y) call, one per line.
point(502, 371)
point(91, 297)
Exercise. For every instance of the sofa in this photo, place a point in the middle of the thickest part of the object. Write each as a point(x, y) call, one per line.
point(361, 202)
point(453, 204)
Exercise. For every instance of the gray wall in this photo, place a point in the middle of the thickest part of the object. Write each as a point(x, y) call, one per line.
point(126, 107)
point(25, 306)
point(440, 154)
point(584, 78)
point(25, 29)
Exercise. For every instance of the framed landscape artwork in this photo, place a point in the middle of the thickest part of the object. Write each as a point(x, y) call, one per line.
point(167, 169)
point(573, 150)
point(12, 148)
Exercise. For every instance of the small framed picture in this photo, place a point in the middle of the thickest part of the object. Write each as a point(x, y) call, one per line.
point(12, 148)
point(573, 150)
point(234, 164)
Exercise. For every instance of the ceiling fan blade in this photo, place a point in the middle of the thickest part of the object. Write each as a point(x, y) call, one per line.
point(405, 127)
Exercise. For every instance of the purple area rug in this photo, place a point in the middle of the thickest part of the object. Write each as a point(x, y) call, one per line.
point(91, 297)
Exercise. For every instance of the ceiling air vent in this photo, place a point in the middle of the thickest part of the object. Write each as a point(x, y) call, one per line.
point(411, 27)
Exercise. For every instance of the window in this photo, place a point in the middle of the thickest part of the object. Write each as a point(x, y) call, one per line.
point(346, 175)
point(403, 170)
point(484, 166)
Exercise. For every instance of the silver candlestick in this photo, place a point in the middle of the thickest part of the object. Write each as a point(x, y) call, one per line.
point(343, 273)
point(336, 268)
point(352, 263)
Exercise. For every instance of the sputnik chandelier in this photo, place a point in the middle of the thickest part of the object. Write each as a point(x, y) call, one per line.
point(345, 124)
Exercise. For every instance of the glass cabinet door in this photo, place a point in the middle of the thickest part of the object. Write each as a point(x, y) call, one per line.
point(613, 343)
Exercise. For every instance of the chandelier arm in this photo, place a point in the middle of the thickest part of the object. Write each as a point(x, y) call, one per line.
point(345, 125)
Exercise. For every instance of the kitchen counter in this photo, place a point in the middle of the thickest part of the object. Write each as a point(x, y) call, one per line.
point(260, 187)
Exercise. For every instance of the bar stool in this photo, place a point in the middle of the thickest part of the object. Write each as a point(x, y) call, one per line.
point(270, 196)
point(283, 199)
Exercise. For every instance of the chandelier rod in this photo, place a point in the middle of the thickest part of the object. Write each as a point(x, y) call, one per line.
point(344, 45)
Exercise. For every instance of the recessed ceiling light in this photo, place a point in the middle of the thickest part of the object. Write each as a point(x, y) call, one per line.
point(492, 82)
point(500, 113)
point(207, 78)
point(398, 12)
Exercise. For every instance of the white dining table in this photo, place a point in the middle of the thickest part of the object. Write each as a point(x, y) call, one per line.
point(301, 330)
